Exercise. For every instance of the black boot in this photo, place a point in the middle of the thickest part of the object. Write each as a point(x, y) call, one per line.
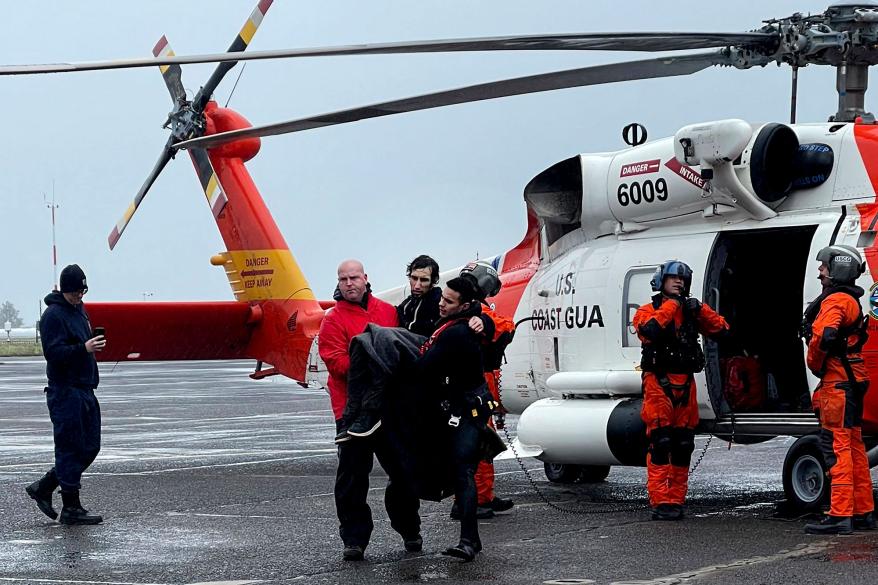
point(465, 551)
point(74, 513)
point(482, 512)
point(413, 544)
point(667, 512)
point(500, 504)
point(831, 525)
point(41, 491)
point(865, 521)
point(365, 424)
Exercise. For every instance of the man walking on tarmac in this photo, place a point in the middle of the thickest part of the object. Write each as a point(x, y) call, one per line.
point(493, 345)
point(668, 328)
point(69, 346)
point(355, 308)
point(836, 332)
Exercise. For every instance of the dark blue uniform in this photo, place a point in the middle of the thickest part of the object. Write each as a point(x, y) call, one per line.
point(73, 376)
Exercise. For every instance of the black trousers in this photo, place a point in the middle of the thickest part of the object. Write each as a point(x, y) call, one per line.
point(76, 424)
point(355, 460)
point(465, 456)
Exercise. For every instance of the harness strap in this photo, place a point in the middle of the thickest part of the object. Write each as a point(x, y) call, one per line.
point(685, 389)
point(429, 343)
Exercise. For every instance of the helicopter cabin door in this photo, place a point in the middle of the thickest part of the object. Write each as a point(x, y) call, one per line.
point(762, 280)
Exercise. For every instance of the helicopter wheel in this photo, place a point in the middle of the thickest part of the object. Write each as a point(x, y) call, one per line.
point(593, 473)
point(562, 472)
point(805, 482)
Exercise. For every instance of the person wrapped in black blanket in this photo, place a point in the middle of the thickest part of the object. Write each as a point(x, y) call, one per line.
point(435, 404)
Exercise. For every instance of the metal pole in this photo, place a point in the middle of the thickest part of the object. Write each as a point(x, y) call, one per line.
point(53, 206)
point(795, 91)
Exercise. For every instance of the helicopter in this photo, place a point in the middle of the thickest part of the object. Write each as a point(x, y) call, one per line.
point(728, 197)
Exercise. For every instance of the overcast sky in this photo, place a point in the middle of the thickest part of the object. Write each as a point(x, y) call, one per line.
point(445, 182)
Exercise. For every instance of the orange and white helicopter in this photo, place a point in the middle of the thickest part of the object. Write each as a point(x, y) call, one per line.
point(741, 203)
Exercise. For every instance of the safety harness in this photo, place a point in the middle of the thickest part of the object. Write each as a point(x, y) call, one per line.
point(479, 400)
point(673, 351)
point(840, 348)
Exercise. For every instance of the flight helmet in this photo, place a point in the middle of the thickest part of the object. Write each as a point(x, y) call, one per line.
point(486, 277)
point(672, 268)
point(844, 262)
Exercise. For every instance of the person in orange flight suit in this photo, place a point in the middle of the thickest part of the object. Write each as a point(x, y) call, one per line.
point(668, 328)
point(835, 331)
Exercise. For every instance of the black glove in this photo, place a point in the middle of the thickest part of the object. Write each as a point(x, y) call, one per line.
point(693, 306)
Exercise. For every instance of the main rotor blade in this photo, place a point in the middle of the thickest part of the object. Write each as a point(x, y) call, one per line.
point(646, 41)
point(626, 71)
point(167, 155)
point(172, 74)
point(241, 42)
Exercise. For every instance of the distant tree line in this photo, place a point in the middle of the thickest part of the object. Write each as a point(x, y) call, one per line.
point(8, 312)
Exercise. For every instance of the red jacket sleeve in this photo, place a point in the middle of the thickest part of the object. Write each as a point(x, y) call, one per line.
point(710, 322)
point(333, 347)
point(663, 316)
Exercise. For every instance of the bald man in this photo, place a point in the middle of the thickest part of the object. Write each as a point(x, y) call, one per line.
point(355, 308)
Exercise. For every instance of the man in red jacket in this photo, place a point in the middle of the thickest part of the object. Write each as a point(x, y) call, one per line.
point(355, 308)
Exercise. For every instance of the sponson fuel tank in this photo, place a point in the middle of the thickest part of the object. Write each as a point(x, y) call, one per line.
point(585, 431)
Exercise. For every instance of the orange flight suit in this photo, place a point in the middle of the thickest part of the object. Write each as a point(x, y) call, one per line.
point(839, 401)
point(485, 470)
point(670, 411)
point(504, 328)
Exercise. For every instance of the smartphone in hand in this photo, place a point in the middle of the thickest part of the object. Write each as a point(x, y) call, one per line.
point(100, 331)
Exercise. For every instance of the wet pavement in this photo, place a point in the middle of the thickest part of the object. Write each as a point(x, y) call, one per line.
point(206, 476)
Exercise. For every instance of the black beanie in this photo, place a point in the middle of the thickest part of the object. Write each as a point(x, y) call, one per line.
point(73, 279)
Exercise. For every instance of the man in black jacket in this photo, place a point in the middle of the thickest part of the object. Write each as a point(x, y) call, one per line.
point(450, 372)
point(69, 347)
point(419, 312)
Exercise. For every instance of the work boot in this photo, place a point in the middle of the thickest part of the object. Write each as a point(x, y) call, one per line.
point(352, 553)
point(865, 521)
point(366, 424)
point(413, 545)
point(831, 525)
point(665, 512)
point(41, 491)
point(73, 513)
point(465, 551)
point(482, 512)
point(499, 504)
point(677, 512)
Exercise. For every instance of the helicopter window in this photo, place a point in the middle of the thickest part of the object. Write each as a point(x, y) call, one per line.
point(635, 293)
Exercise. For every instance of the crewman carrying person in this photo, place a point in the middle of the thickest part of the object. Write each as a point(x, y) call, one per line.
point(835, 331)
point(493, 347)
point(668, 328)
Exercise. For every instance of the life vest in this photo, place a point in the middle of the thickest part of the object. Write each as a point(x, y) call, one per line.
point(675, 351)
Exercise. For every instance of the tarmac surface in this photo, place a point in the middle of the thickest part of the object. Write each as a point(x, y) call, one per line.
point(206, 476)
